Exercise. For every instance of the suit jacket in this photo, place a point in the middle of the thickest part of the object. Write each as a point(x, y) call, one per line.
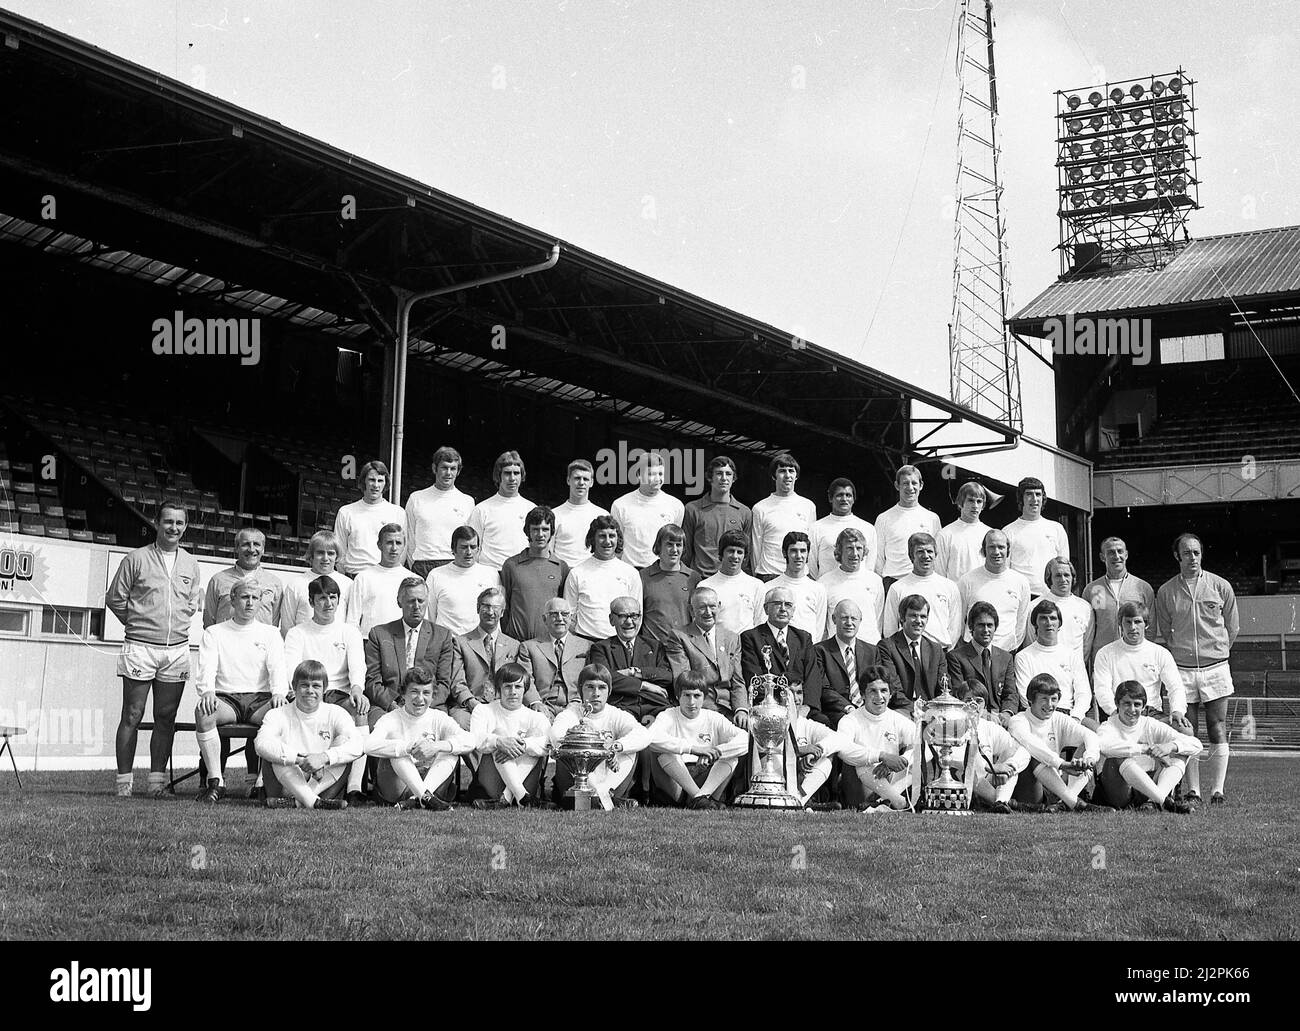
point(686, 649)
point(912, 683)
point(386, 662)
point(474, 662)
point(801, 669)
point(538, 657)
point(1001, 695)
point(626, 692)
point(834, 678)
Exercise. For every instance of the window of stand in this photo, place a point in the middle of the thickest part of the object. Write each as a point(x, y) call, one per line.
point(14, 621)
point(66, 622)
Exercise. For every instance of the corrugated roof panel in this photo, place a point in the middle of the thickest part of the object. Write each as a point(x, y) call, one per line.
point(1217, 268)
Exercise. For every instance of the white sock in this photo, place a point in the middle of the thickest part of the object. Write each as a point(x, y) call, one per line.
point(1192, 778)
point(1137, 778)
point(358, 770)
point(124, 784)
point(1217, 767)
point(210, 750)
point(157, 781)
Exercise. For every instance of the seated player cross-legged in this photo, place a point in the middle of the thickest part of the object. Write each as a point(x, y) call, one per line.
point(878, 776)
point(999, 757)
point(510, 744)
point(1045, 732)
point(624, 735)
point(241, 675)
point(816, 746)
point(694, 749)
point(308, 746)
point(418, 748)
point(1135, 748)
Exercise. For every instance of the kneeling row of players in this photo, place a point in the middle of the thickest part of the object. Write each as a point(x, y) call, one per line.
point(692, 753)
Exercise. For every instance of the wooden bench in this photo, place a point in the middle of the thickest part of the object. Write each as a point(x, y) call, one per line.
point(227, 731)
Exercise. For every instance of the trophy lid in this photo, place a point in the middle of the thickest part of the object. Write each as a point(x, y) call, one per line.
point(583, 735)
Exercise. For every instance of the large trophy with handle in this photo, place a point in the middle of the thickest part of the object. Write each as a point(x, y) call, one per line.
point(948, 724)
point(770, 716)
point(583, 749)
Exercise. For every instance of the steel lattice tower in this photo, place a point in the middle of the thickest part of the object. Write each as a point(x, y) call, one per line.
point(984, 375)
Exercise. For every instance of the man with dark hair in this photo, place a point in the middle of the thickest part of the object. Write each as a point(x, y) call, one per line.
point(418, 747)
point(980, 661)
point(1045, 732)
point(739, 594)
point(511, 742)
point(998, 757)
point(1035, 539)
point(624, 735)
point(573, 518)
point(694, 751)
point(373, 598)
point(883, 750)
point(154, 595)
point(499, 519)
point(357, 525)
point(910, 657)
point(809, 596)
point(1135, 658)
point(594, 584)
point(454, 589)
point(780, 513)
point(1196, 615)
point(825, 534)
point(642, 675)
point(708, 518)
point(1134, 746)
point(1049, 655)
point(532, 578)
point(434, 512)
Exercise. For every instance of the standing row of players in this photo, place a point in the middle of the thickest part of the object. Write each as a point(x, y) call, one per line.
point(848, 603)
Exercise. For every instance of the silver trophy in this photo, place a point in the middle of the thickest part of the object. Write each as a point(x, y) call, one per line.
point(582, 750)
point(947, 727)
point(769, 724)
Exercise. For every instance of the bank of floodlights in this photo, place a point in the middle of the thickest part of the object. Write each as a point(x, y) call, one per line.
point(1126, 162)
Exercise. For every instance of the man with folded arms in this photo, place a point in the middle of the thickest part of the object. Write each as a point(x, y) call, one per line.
point(1112, 589)
point(707, 519)
point(1136, 747)
point(308, 746)
point(510, 744)
point(694, 750)
point(418, 748)
point(241, 676)
point(642, 675)
point(879, 772)
point(532, 578)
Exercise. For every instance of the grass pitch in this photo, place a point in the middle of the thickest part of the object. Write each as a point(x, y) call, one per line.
point(78, 863)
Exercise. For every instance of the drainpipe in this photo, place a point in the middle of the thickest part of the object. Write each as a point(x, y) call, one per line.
point(407, 301)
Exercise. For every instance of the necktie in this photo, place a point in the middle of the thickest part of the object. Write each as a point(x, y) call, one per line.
point(412, 635)
point(916, 655)
point(628, 648)
point(712, 645)
point(851, 668)
point(988, 672)
point(559, 662)
point(490, 646)
point(784, 650)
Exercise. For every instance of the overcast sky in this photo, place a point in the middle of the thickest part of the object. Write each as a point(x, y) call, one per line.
point(767, 155)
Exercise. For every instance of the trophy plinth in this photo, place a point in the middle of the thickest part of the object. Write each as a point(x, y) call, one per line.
point(582, 750)
point(769, 720)
point(947, 725)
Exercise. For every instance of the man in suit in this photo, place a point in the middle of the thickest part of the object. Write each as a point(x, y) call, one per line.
point(791, 653)
point(842, 662)
point(642, 677)
point(981, 661)
point(482, 652)
point(393, 648)
point(707, 647)
point(911, 657)
point(554, 663)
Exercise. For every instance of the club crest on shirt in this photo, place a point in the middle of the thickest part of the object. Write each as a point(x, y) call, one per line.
point(706, 737)
point(340, 646)
point(1051, 738)
point(325, 734)
point(891, 737)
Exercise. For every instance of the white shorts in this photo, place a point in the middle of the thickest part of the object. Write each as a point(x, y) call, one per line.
point(1207, 684)
point(170, 664)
